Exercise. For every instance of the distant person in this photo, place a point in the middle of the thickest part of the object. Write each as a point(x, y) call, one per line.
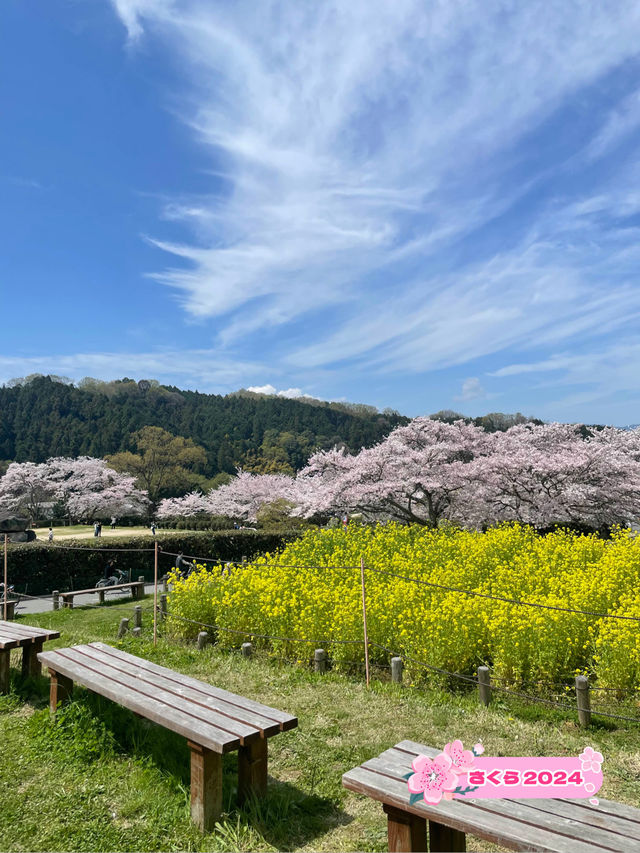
point(109, 569)
point(95, 528)
point(345, 521)
point(185, 567)
point(153, 528)
point(50, 534)
point(113, 522)
point(99, 528)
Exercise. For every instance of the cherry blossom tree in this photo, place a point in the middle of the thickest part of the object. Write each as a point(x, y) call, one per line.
point(420, 473)
point(246, 494)
point(195, 503)
point(25, 487)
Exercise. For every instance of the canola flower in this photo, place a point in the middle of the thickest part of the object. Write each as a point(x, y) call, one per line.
point(311, 591)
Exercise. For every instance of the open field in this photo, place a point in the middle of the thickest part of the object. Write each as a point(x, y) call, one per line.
point(103, 780)
point(85, 531)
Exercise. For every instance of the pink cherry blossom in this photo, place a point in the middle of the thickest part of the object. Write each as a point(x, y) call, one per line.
point(590, 759)
point(478, 749)
point(432, 777)
point(462, 759)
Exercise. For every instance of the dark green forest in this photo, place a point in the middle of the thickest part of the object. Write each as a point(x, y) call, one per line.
point(42, 417)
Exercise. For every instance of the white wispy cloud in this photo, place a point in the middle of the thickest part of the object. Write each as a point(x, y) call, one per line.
point(362, 141)
point(472, 389)
point(272, 391)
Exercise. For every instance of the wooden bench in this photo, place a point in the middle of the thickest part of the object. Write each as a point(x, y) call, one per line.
point(136, 587)
point(14, 635)
point(555, 826)
point(11, 607)
point(214, 721)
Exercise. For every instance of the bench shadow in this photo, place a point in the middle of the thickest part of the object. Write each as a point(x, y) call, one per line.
point(287, 817)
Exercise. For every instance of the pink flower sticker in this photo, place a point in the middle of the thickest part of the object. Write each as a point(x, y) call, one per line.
point(590, 759)
point(432, 778)
point(589, 787)
point(594, 801)
point(461, 758)
point(478, 749)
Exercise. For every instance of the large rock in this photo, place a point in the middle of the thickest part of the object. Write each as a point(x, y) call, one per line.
point(10, 523)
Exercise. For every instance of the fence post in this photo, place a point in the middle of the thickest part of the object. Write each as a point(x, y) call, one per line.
point(396, 670)
point(137, 616)
point(247, 648)
point(364, 621)
point(55, 597)
point(484, 684)
point(163, 607)
point(320, 660)
point(583, 700)
point(202, 640)
point(165, 583)
point(137, 631)
point(124, 627)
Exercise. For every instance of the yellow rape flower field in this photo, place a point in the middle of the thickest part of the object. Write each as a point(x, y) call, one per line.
point(311, 592)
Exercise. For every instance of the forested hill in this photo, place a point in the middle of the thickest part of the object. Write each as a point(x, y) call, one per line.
point(40, 418)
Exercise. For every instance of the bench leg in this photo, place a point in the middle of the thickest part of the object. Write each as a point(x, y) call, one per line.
point(5, 657)
point(60, 690)
point(206, 786)
point(406, 832)
point(101, 596)
point(31, 666)
point(252, 769)
point(445, 838)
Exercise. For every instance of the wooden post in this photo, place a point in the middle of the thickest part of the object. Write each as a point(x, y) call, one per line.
point(124, 627)
point(203, 637)
point(247, 648)
point(206, 786)
point(484, 684)
point(165, 583)
point(61, 689)
point(406, 832)
point(396, 670)
point(364, 621)
point(101, 596)
point(252, 769)
point(163, 607)
point(137, 616)
point(445, 838)
point(583, 700)
point(155, 592)
point(137, 632)
point(320, 660)
point(31, 666)
point(11, 609)
point(5, 660)
point(6, 587)
point(55, 596)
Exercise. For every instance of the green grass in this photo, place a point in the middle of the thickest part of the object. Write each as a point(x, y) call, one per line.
point(85, 531)
point(101, 779)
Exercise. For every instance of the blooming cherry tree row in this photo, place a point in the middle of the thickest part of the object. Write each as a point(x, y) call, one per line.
point(86, 487)
point(427, 472)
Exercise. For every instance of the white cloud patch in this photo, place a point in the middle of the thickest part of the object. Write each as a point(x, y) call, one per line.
point(271, 390)
point(360, 141)
point(472, 390)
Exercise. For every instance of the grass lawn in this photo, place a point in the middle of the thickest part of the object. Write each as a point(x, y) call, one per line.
point(101, 779)
point(85, 531)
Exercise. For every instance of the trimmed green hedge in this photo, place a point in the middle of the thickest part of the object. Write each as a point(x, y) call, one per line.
point(37, 568)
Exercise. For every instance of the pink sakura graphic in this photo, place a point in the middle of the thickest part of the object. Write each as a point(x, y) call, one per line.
point(435, 779)
point(590, 760)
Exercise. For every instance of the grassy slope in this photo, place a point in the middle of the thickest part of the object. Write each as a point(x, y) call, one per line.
point(104, 780)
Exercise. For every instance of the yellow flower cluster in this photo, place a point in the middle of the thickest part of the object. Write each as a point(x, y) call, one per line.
point(312, 592)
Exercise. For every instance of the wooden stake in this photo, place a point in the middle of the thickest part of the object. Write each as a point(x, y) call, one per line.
point(364, 621)
point(155, 592)
point(6, 590)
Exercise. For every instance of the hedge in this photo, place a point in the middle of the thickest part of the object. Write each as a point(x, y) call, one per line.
point(37, 568)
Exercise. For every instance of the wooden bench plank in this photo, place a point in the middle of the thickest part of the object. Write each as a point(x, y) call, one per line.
point(9, 642)
point(17, 629)
point(246, 706)
point(519, 810)
point(182, 723)
point(134, 676)
point(466, 817)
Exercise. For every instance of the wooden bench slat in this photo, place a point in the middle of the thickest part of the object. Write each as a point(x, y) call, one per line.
point(589, 817)
point(178, 721)
point(464, 816)
point(27, 632)
point(519, 810)
point(155, 688)
point(246, 706)
point(8, 642)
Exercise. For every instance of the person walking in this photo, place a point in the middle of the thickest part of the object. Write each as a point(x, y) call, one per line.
point(50, 534)
point(113, 522)
point(153, 528)
point(95, 528)
point(99, 528)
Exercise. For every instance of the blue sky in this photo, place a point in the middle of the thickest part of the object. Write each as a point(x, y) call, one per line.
point(415, 204)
